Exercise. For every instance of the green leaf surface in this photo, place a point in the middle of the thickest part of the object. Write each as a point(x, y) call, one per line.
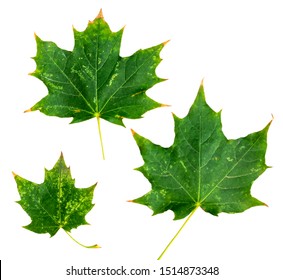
point(93, 80)
point(202, 168)
point(56, 203)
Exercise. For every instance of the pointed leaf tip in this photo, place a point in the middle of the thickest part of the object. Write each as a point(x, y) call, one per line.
point(272, 118)
point(37, 38)
point(28, 110)
point(14, 174)
point(166, 42)
point(133, 132)
point(100, 14)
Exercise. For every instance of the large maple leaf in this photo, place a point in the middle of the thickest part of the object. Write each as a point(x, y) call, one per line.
point(56, 203)
point(93, 80)
point(202, 168)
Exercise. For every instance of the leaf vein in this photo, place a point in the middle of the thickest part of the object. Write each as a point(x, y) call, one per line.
point(70, 81)
point(232, 168)
point(125, 82)
point(182, 187)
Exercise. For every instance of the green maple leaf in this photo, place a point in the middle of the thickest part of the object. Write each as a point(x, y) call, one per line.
point(202, 168)
point(93, 80)
point(56, 203)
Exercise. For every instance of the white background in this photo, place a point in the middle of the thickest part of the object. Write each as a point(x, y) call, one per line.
point(236, 46)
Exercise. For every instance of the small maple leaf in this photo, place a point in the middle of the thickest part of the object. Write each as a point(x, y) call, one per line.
point(202, 168)
point(93, 80)
point(56, 203)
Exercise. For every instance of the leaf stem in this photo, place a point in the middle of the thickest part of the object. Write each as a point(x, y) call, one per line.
point(90, 247)
point(100, 136)
point(178, 232)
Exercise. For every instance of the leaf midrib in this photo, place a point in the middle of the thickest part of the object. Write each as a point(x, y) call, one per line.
point(60, 223)
point(77, 205)
point(200, 156)
point(96, 75)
